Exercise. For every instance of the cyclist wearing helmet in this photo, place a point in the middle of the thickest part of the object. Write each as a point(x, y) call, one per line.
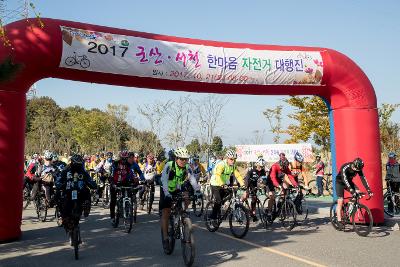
point(297, 169)
point(121, 174)
point(344, 180)
point(173, 181)
point(104, 170)
point(392, 176)
point(75, 169)
point(149, 170)
point(60, 165)
point(197, 168)
point(224, 173)
point(251, 180)
point(279, 176)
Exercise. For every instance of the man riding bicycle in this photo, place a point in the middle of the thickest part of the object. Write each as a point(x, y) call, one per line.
point(251, 180)
point(223, 174)
point(280, 177)
point(344, 180)
point(175, 178)
point(297, 168)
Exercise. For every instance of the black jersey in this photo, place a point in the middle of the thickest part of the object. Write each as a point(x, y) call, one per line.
point(346, 175)
point(252, 177)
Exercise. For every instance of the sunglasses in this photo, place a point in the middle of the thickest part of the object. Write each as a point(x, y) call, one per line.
point(182, 159)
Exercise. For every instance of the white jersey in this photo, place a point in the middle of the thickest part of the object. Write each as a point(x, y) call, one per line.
point(149, 171)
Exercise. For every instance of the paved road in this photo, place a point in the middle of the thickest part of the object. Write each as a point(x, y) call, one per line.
point(316, 244)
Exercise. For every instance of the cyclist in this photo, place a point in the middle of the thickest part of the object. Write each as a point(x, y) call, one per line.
point(297, 169)
point(223, 174)
point(197, 168)
point(251, 180)
point(392, 176)
point(211, 164)
point(60, 165)
point(173, 181)
point(104, 170)
point(63, 183)
point(47, 173)
point(31, 176)
point(344, 180)
point(279, 176)
point(137, 172)
point(121, 174)
point(319, 173)
point(149, 170)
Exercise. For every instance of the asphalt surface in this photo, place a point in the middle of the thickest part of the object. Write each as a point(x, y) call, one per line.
point(315, 243)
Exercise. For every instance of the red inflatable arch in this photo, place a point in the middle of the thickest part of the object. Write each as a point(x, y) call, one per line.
point(97, 54)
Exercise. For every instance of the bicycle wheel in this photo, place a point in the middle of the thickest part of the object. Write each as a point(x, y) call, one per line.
point(57, 216)
point(288, 215)
point(171, 237)
point(391, 204)
point(362, 220)
point(263, 214)
point(312, 185)
point(301, 209)
point(239, 221)
point(198, 205)
point(76, 240)
point(106, 197)
point(70, 61)
point(270, 215)
point(128, 217)
point(187, 242)
point(135, 206)
point(41, 209)
point(211, 225)
point(26, 197)
point(148, 203)
point(117, 214)
point(333, 216)
point(85, 63)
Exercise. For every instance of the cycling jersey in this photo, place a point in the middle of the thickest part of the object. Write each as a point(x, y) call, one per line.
point(149, 171)
point(296, 168)
point(276, 174)
point(121, 172)
point(174, 176)
point(252, 176)
point(198, 171)
point(346, 175)
point(222, 173)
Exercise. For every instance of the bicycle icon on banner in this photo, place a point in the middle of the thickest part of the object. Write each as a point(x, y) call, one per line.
point(83, 61)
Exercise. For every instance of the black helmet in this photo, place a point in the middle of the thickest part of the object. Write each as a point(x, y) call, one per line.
point(358, 164)
point(76, 159)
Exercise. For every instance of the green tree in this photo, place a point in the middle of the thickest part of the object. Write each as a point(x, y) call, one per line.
point(312, 116)
point(217, 144)
point(274, 117)
point(194, 147)
point(389, 131)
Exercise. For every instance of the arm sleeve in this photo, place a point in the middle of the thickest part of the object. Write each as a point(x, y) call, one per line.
point(364, 181)
point(239, 177)
point(139, 171)
point(164, 179)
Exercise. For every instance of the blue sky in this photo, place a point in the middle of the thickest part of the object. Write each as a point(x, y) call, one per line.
point(366, 31)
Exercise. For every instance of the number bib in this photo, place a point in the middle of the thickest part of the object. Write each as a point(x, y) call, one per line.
point(74, 194)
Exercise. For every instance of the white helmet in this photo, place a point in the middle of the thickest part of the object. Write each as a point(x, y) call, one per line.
point(231, 154)
point(260, 162)
point(48, 155)
point(181, 152)
point(299, 157)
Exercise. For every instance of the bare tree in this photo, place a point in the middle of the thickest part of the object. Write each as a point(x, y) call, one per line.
point(209, 114)
point(179, 116)
point(274, 117)
point(155, 113)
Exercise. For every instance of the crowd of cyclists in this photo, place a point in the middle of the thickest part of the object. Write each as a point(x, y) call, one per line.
point(181, 173)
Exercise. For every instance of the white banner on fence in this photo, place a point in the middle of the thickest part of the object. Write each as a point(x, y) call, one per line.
point(137, 56)
point(248, 153)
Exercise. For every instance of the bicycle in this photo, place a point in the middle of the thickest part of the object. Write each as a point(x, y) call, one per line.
point(83, 61)
point(26, 195)
point(326, 185)
point(282, 208)
point(40, 204)
point(205, 188)
point(125, 207)
point(355, 213)
point(231, 207)
point(391, 202)
point(259, 205)
point(180, 227)
point(148, 195)
point(105, 198)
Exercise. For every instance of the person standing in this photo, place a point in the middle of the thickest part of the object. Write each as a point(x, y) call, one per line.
point(319, 173)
